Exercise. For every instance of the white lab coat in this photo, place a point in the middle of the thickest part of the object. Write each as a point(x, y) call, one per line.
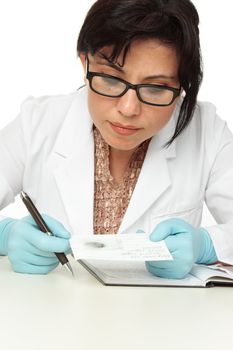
point(48, 151)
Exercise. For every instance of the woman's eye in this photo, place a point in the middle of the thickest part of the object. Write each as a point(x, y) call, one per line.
point(154, 90)
point(110, 81)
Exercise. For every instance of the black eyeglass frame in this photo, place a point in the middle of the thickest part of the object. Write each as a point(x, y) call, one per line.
point(136, 87)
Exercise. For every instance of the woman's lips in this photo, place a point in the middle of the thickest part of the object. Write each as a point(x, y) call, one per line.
point(124, 129)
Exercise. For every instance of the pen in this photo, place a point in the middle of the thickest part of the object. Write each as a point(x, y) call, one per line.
point(43, 227)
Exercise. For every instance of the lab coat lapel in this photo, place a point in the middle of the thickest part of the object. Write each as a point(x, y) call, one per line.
point(74, 173)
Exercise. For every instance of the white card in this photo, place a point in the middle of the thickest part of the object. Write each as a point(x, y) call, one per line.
point(127, 247)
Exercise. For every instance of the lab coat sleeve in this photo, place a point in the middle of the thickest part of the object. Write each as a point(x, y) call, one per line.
point(13, 154)
point(219, 194)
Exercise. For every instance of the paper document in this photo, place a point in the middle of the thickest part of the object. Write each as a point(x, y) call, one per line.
point(126, 247)
point(225, 268)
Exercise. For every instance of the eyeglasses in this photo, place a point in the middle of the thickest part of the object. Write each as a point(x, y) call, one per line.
point(151, 94)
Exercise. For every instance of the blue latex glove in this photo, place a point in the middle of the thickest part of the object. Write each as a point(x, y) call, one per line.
point(30, 250)
point(187, 245)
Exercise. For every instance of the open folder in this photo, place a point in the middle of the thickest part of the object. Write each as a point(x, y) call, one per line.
point(134, 273)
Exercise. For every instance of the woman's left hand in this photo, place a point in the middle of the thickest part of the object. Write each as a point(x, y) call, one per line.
point(187, 246)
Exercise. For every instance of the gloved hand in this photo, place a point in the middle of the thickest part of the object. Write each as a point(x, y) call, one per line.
point(187, 245)
point(30, 250)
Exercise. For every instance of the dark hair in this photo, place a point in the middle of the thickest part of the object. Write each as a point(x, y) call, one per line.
point(118, 23)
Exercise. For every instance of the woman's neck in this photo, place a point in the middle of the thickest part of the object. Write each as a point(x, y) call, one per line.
point(119, 162)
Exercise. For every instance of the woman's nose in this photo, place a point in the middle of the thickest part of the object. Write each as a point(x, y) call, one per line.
point(129, 104)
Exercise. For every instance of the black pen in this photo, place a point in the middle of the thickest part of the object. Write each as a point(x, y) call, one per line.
point(43, 227)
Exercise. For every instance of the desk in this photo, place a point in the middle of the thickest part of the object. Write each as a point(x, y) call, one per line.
point(59, 312)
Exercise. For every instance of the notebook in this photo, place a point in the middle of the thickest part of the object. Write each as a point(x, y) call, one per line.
point(134, 273)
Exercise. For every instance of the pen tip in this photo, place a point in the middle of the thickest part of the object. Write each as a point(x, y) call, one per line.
point(69, 268)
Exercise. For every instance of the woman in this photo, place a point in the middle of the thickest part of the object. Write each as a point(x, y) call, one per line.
point(131, 151)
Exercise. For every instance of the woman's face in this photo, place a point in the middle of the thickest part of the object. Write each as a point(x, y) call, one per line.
point(125, 122)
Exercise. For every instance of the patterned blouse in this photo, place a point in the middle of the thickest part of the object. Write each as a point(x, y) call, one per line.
point(111, 198)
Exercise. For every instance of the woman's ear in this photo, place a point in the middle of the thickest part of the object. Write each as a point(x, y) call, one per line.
point(82, 57)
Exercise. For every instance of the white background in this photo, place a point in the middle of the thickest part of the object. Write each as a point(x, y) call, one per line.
point(38, 54)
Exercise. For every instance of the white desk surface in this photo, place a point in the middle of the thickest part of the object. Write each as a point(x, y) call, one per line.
point(59, 312)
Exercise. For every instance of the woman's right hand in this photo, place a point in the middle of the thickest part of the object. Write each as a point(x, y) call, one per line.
point(30, 250)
